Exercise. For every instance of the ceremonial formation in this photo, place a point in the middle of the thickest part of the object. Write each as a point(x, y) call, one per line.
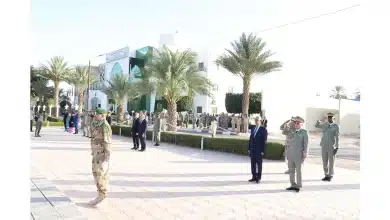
point(97, 126)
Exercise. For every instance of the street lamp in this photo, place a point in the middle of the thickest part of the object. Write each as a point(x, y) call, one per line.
point(89, 80)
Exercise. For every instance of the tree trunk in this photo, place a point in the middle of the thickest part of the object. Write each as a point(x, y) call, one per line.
point(245, 103)
point(120, 111)
point(81, 100)
point(57, 91)
point(172, 120)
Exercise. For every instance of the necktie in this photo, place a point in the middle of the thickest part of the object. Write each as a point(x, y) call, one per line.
point(257, 127)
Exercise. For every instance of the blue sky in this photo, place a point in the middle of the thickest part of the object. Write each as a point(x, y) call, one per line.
point(79, 30)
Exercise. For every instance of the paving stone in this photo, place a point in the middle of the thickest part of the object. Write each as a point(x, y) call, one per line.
point(176, 182)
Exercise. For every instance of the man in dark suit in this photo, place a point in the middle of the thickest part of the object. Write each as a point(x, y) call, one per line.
point(134, 131)
point(142, 126)
point(256, 149)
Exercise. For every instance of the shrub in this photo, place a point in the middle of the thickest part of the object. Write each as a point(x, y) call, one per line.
point(53, 119)
point(273, 150)
point(233, 103)
point(53, 124)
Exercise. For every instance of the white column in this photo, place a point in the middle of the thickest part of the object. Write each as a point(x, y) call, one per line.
point(58, 109)
point(152, 101)
point(50, 106)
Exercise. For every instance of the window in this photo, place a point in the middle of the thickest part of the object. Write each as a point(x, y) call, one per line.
point(199, 109)
point(201, 66)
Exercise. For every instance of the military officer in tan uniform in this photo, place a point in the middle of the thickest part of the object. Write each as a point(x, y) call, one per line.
point(296, 152)
point(329, 144)
point(101, 151)
point(290, 124)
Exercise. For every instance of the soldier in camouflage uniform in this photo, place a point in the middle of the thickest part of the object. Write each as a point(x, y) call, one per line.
point(101, 151)
point(290, 124)
point(225, 121)
point(220, 120)
point(234, 122)
point(186, 119)
point(208, 120)
point(239, 124)
point(194, 117)
point(157, 128)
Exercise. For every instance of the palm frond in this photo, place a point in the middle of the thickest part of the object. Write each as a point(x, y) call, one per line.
point(248, 57)
point(174, 74)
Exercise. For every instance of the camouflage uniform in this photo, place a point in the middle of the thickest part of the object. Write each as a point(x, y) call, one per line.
point(186, 119)
point(225, 121)
point(234, 122)
point(238, 124)
point(157, 128)
point(193, 120)
point(101, 150)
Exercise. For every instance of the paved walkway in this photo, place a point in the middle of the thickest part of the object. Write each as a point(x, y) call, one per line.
point(173, 182)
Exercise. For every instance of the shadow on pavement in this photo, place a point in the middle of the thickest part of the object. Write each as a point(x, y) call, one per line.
point(51, 199)
point(74, 148)
point(195, 183)
point(167, 175)
point(161, 195)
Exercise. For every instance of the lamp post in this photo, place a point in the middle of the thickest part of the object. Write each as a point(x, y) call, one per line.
point(89, 81)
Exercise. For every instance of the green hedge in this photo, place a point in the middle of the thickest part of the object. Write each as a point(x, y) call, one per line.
point(233, 103)
point(273, 150)
point(54, 119)
point(54, 124)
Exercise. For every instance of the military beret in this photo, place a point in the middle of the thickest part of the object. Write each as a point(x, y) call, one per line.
point(100, 111)
point(330, 114)
point(299, 119)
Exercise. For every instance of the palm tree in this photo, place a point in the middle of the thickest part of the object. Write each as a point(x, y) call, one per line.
point(56, 70)
point(41, 90)
point(174, 75)
point(247, 59)
point(119, 88)
point(338, 92)
point(79, 79)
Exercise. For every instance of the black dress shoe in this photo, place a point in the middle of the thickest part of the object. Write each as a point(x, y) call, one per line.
point(290, 188)
point(252, 180)
point(257, 181)
point(327, 178)
point(141, 150)
point(296, 189)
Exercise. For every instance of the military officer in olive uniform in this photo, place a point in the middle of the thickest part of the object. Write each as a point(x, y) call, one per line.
point(296, 152)
point(329, 144)
point(291, 124)
point(101, 151)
